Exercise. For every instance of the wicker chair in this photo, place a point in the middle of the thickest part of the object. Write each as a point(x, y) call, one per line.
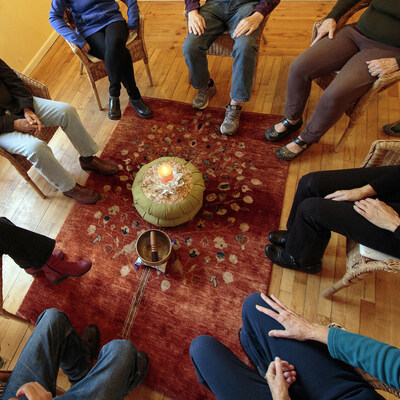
point(382, 152)
point(223, 45)
point(97, 70)
point(382, 83)
point(21, 164)
point(371, 380)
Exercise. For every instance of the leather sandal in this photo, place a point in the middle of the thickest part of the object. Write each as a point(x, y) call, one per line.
point(273, 135)
point(285, 154)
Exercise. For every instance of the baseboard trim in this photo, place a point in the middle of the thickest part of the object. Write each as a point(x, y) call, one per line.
point(40, 54)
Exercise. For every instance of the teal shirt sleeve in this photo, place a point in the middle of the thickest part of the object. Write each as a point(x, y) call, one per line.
point(377, 358)
point(340, 8)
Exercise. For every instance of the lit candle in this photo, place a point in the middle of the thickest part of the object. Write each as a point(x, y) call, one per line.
point(165, 173)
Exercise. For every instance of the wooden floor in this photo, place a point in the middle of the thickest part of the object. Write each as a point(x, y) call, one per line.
point(370, 308)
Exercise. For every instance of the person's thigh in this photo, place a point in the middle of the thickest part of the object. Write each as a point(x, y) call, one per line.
point(319, 376)
point(239, 13)
point(97, 43)
point(354, 79)
point(224, 373)
point(325, 56)
point(215, 27)
point(322, 183)
point(116, 32)
point(19, 143)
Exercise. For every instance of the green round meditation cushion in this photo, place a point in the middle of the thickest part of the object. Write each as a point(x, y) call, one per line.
point(169, 214)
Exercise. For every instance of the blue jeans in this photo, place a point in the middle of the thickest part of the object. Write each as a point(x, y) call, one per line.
point(319, 376)
point(222, 15)
point(54, 343)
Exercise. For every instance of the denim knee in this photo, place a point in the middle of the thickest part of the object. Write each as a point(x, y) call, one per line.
point(52, 316)
point(123, 351)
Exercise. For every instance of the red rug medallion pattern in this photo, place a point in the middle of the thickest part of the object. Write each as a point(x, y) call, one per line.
point(220, 252)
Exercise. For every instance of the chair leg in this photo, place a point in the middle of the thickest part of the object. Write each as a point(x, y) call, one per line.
point(334, 288)
point(33, 184)
point(149, 78)
point(345, 135)
point(94, 88)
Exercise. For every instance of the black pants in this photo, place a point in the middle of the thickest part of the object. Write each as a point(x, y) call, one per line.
point(28, 249)
point(312, 218)
point(108, 44)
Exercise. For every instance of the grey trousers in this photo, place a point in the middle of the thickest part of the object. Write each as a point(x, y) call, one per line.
point(348, 52)
point(51, 113)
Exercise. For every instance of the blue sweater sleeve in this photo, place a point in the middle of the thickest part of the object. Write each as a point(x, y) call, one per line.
point(133, 14)
point(377, 358)
point(56, 19)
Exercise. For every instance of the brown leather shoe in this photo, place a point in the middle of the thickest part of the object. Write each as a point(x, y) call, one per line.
point(83, 195)
point(101, 166)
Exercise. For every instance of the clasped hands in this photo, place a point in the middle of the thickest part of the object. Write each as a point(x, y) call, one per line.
point(378, 67)
point(281, 374)
point(29, 124)
point(197, 24)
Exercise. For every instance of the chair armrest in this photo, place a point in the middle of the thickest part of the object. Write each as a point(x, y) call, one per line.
point(383, 152)
point(36, 88)
point(343, 19)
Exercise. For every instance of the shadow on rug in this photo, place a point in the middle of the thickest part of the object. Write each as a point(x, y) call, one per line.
point(221, 251)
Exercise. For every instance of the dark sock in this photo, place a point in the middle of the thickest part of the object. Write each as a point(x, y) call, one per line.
point(86, 160)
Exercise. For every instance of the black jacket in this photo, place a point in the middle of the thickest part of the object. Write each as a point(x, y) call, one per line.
point(14, 97)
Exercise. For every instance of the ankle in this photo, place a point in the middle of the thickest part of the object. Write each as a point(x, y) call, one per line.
point(86, 160)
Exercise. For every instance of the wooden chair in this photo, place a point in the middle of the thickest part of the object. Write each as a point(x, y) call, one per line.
point(223, 45)
point(382, 152)
point(97, 70)
point(21, 164)
point(371, 380)
point(361, 105)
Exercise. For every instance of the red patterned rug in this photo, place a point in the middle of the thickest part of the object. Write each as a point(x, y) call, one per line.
point(221, 251)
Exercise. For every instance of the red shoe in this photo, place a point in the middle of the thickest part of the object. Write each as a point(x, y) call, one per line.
point(33, 271)
point(57, 270)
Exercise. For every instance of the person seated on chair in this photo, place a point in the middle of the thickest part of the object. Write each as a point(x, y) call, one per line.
point(295, 358)
point(362, 52)
point(361, 204)
point(205, 24)
point(21, 115)
point(55, 344)
point(35, 253)
point(102, 31)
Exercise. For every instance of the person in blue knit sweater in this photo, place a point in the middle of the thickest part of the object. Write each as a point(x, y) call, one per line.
point(102, 31)
point(295, 359)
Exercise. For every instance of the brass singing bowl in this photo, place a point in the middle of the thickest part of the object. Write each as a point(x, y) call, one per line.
point(164, 247)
